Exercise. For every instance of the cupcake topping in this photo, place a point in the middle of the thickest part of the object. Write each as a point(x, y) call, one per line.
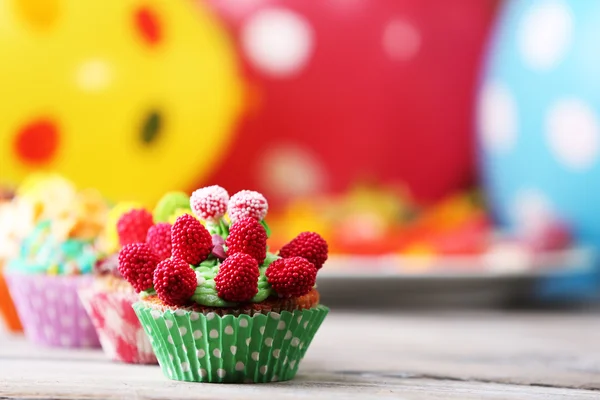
point(209, 203)
point(54, 227)
point(309, 245)
point(174, 281)
point(159, 240)
point(247, 203)
point(237, 279)
point(137, 262)
point(170, 206)
point(247, 236)
point(133, 226)
point(191, 241)
point(292, 277)
point(202, 259)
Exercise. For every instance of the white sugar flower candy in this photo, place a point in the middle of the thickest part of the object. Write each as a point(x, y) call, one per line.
point(209, 203)
point(247, 203)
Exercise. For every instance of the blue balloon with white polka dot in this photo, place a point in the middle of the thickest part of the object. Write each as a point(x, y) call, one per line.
point(538, 119)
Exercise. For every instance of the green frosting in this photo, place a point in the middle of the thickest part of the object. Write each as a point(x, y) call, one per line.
point(264, 288)
point(169, 204)
point(206, 292)
point(41, 253)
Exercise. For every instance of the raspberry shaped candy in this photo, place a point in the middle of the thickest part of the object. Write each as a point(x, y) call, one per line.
point(237, 279)
point(159, 240)
point(247, 203)
point(292, 277)
point(137, 263)
point(307, 245)
point(174, 281)
point(190, 240)
point(133, 226)
point(209, 203)
point(247, 236)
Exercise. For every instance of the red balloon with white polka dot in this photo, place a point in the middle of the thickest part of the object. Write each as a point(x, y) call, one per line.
point(347, 90)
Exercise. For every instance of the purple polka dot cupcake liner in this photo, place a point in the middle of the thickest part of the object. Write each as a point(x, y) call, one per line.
point(50, 309)
point(259, 348)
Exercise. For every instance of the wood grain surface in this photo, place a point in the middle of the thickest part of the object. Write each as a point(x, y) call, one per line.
point(425, 355)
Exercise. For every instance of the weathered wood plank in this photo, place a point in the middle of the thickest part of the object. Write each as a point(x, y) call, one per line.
point(112, 381)
point(466, 355)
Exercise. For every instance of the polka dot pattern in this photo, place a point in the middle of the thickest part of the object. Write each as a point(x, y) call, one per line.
point(545, 33)
point(38, 14)
point(55, 320)
point(401, 39)
point(539, 126)
point(573, 134)
point(151, 128)
point(278, 41)
point(93, 75)
point(36, 142)
point(148, 25)
point(291, 170)
point(225, 351)
point(497, 117)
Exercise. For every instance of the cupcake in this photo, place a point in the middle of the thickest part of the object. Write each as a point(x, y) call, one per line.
point(55, 259)
point(216, 305)
point(109, 299)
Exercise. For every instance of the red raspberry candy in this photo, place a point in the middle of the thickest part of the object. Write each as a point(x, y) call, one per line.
point(190, 240)
point(237, 279)
point(292, 277)
point(247, 236)
point(133, 226)
point(174, 281)
point(137, 263)
point(307, 245)
point(159, 240)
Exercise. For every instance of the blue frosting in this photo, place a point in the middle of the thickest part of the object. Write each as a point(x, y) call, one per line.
point(41, 253)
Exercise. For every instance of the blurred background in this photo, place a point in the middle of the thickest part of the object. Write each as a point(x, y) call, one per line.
point(449, 151)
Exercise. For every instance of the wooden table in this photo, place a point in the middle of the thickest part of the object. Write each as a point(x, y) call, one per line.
point(414, 355)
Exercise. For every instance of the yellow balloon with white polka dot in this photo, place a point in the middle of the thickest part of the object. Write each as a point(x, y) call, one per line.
point(133, 97)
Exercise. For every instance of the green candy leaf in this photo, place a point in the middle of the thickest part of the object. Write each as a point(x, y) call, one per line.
point(269, 259)
point(224, 228)
point(266, 226)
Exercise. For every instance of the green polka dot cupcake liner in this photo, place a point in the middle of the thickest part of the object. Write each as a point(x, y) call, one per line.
point(197, 347)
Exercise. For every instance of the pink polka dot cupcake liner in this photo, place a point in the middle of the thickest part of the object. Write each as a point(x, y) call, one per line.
point(118, 328)
point(259, 348)
point(50, 309)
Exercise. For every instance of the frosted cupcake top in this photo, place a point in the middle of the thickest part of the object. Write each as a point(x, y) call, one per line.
point(212, 250)
point(54, 226)
point(42, 253)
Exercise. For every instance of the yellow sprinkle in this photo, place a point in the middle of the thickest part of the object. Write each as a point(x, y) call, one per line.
point(53, 270)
